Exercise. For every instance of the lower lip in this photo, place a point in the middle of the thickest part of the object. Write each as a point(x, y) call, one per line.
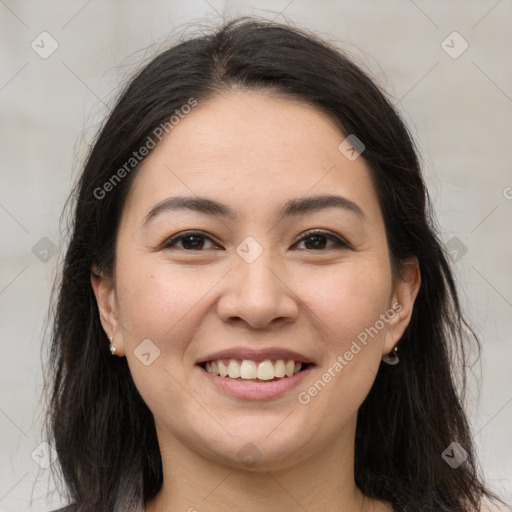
point(250, 390)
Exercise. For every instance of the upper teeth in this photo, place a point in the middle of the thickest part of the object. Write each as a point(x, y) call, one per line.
point(247, 369)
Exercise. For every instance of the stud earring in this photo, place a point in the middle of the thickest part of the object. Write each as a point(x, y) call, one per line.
point(113, 348)
point(392, 358)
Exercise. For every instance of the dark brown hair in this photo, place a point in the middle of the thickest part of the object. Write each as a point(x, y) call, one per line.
point(103, 431)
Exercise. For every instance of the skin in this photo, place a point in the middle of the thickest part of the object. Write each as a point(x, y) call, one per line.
point(254, 152)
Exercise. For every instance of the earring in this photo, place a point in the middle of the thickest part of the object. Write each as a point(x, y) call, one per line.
point(113, 348)
point(392, 357)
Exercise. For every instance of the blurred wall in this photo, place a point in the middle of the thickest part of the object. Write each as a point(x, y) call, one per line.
point(447, 66)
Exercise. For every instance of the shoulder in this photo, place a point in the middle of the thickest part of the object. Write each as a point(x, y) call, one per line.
point(69, 508)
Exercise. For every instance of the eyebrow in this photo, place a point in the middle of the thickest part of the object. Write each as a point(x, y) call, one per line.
point(293, 207)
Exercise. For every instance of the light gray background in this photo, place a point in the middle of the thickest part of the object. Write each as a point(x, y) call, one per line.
point(459, 110)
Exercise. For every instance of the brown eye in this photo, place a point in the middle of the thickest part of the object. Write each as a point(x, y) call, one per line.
point(317, 240)
point(193, 241)
point(190, 241)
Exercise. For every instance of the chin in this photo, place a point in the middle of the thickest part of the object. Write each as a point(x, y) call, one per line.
point(263, 452)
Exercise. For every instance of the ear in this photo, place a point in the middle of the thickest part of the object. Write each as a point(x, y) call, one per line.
point(404, 294)
point(104, 291)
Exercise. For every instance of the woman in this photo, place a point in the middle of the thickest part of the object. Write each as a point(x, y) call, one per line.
point(255, 310)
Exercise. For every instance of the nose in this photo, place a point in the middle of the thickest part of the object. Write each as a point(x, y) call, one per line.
point(257, 293)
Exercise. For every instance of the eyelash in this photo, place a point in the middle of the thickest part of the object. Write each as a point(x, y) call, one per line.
point(340, 243)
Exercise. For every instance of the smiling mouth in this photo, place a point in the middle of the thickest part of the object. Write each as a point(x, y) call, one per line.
point(246, 369)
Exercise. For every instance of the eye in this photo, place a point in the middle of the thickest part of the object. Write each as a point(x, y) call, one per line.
point(191, 240)
point(317, 239)
point(195, 241)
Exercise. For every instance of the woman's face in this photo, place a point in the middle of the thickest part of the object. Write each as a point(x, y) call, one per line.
point(253, 286)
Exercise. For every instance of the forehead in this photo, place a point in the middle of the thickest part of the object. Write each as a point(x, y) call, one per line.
point(253, 151)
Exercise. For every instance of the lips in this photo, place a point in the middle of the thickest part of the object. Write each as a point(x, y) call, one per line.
point(241, 353)
point(254, 365)
point(269, 387)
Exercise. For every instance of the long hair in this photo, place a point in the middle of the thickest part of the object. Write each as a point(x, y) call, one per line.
point(103, 431)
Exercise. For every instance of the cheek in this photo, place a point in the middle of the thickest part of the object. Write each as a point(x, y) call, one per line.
point(347, 306)
point(156, 298)
point(159, 302)
point(348, 300)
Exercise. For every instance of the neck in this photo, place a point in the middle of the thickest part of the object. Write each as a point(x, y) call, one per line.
point(323, 482)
